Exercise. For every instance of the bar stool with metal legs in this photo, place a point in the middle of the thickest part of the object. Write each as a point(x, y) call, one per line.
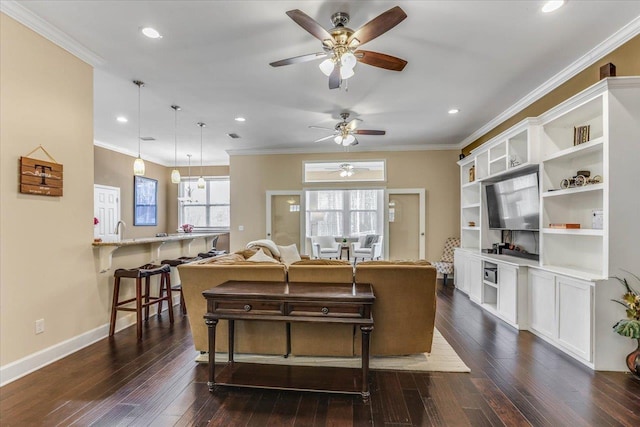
point(143, 299)
point(174, 263)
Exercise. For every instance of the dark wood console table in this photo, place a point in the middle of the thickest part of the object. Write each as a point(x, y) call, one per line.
point(294, 302)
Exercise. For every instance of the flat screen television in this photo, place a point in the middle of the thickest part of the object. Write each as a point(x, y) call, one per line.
point(514, 204)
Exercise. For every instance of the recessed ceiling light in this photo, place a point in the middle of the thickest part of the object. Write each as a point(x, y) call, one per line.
point(240, 119)
point(122, 119)
point(454, 111)
point(152, 33)
point(552, 5)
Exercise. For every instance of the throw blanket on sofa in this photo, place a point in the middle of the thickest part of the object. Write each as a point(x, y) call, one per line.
point(265, 243)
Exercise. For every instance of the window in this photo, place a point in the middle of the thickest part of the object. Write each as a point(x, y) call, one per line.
point(341, 171)
point(344, 213)
point(207, 208)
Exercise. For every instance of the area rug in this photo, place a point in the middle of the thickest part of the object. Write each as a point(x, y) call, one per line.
point(441, 359)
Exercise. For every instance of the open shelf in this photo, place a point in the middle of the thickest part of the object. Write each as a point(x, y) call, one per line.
point(574, 190)
point(578, 150)
point(470, 206)
point(574, 231)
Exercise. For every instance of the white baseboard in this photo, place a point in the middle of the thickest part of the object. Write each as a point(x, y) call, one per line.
point(18, 369)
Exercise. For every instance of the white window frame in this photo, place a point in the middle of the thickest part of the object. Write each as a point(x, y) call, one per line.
point(207, 205)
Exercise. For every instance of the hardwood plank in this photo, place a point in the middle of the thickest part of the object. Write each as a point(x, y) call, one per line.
point(394, 408)
point(340, 412)
point(284, 410)
point(501, 405)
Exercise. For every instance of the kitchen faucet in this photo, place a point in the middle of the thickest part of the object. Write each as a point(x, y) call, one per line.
point(117, 230)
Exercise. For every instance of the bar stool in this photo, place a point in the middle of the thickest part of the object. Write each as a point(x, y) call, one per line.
point(174, 263)
point(139, 273)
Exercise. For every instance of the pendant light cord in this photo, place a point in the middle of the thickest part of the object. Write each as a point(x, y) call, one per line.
point(201, 149)
point(139, 118)
point(175, 140)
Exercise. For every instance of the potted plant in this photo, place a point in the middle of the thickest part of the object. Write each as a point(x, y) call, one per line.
point(630, 327)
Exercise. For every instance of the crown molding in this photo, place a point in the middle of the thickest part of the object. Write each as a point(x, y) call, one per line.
point(423, 147)
point(610, 44)
point(152, 159)
point(32, 21)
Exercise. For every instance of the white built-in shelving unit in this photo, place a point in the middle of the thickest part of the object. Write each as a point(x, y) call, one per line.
point(565, 297)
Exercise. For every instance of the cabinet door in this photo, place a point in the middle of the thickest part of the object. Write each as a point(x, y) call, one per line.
point(542, 303)
point(459, 265)
point(507, 292)
point(574, 315)
point(473, 276)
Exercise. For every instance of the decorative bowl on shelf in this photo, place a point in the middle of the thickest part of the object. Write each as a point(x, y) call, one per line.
point(187, 228)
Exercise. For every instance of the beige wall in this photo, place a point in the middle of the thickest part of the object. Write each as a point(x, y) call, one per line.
point(116, 170)
point(46, 259)
point(436, 171)
point(626, 59)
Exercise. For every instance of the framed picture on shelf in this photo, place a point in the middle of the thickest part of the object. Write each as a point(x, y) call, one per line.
point(145, 201)
point(581, 134)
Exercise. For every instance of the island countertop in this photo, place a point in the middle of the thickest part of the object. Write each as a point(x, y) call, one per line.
point(106, 249)
point(168, 238)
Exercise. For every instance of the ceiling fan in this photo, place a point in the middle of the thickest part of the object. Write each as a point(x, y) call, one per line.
point(344, 132)
point(347, 170)
point(340, 44)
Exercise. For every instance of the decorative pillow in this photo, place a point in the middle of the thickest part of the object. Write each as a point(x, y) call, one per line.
point(266, 243)
point(289, 254)
point(322, 262)
point(370, 240)
point(260, 256)
point(247, 253)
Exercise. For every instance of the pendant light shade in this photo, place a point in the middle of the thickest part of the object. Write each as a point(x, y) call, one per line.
point(175, 173)
point(201, 183)
point(138, 165)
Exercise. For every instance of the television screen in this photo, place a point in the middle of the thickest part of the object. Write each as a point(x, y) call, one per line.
point(514, 204)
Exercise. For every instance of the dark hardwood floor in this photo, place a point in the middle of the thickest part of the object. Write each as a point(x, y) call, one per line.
point(516, 379)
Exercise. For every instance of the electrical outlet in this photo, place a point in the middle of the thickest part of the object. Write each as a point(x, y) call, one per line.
point(39, 326)
point(241, 228)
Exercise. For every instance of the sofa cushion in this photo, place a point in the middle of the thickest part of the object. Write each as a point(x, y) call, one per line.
point(260, 256)
point(321, 262)
point(289, 254)
point(396, 262)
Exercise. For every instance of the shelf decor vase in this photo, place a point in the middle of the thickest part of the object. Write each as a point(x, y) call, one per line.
point(633, 361)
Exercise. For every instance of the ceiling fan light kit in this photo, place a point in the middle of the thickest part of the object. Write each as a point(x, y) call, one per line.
point(340, 44)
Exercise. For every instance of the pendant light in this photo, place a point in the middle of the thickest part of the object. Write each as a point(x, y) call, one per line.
point(138, 165)
point(201, 183)
point(175, 173)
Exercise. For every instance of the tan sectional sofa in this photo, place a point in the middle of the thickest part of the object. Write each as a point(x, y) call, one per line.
point(404, 310)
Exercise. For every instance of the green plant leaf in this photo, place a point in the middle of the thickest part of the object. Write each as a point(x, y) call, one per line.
point(628, 328)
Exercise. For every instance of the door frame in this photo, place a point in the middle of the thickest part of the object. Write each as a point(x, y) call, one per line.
point(423, 207)
point(299, 193)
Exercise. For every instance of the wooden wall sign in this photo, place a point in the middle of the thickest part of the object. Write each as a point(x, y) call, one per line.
point(40, 177)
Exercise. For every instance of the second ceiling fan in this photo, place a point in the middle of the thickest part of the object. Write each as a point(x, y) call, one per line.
point(344, 132)
point(341, 44)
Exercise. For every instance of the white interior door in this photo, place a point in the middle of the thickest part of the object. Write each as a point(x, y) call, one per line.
point(106, 207)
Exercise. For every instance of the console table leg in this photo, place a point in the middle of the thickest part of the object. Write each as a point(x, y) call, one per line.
point(211, 324)
point(232, 330)
point(366, 332)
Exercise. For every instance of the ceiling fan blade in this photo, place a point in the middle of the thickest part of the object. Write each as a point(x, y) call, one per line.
point(355, 142)
point(381, 60)
point(309, 24)
point(298, 59)
point(334, 78)
point(353, 124)
point(369, 132)
point(324, 139)
point(378, 25)
point(320, 127)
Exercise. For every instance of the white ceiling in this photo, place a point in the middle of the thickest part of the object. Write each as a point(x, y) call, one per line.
point(482, 57)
